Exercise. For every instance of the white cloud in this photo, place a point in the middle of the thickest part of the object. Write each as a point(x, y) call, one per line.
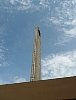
point(63, 16)
point(44, 3)
point(71, 32)
point(3, 50)
point(12, 2)
point(18, 79)
point(32, 5)
point(59, 65)
point(2, 82)
point(11, 5)
point(22, 2)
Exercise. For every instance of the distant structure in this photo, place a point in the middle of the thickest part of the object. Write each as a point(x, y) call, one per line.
point(36, 57)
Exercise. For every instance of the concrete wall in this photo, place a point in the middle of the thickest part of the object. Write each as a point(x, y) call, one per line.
point(56, 89)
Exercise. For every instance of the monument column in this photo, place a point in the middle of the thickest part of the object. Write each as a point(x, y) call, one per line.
point(36, 57)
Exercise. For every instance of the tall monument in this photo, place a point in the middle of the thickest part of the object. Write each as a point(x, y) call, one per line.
point(36, 57)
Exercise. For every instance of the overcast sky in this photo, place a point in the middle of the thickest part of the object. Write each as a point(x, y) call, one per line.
point(57, 22)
